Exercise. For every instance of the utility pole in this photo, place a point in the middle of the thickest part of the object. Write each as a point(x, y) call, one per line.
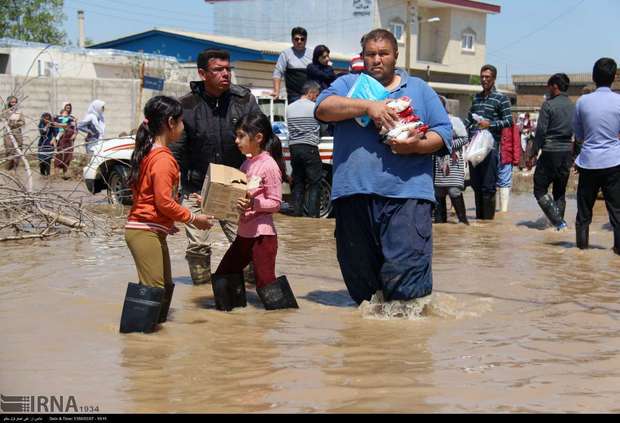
point(408, 35)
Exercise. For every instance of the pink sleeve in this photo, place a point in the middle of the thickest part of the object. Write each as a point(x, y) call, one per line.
point(269, 198)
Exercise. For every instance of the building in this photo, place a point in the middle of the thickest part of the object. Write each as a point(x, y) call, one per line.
point(253, 60)
point(29, 59)
point(448, 37)
point(530, 90)
point(43, 77)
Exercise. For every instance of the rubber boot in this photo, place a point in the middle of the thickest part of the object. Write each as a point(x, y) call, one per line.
point(583, 236)
point(552, 211)
point(165, 303)
point(459, 206)
point(277, 295)
point(561, 203)
point(504, 199)
point(199, 268)
point(441, 211)
point(229, 291)
point(488, 206)
point(141, 309)
point(617, 241)
point(479, 205)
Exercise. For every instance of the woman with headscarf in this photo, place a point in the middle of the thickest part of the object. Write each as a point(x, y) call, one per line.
point(93, 124)
point(15, 123)
point(66, 124)
point(47, 132)
point(320, 70)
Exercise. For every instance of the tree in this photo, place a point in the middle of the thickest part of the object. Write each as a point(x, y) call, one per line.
point(33, 20)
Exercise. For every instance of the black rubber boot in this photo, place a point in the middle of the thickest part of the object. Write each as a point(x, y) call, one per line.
point(488, 206)
point(479, 205)
point(277, 295)
point(165, 303)
point(583, 236)
point(552, 211)
point(441, 211)
point(459, 206)
point(199, 268)
point(561, 202)
point(229, 291)
point(141, 309)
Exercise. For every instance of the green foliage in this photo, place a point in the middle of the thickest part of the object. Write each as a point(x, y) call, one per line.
point(474, 79)
point(33, 20)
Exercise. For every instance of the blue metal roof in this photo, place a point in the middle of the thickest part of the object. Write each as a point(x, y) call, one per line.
point(186, 48)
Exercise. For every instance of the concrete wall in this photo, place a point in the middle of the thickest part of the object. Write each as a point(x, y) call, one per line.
point(48, 94)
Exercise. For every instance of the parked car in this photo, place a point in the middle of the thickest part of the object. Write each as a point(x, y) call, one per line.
point(108, 168)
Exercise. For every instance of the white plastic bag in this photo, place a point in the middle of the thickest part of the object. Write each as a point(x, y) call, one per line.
point(367, 88)
point(480, 146)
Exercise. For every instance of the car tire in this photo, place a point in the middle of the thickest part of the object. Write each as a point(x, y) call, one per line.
point(325, 202)
point(119, 191)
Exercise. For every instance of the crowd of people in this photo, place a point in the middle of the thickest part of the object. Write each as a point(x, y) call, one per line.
point(57, 135)
point(382, 187)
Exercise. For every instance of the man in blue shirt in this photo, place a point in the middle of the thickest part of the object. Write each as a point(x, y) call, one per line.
point(383, 194)
point(597, 128)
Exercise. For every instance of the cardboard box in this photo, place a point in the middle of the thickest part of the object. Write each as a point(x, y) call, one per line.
point(221, 189)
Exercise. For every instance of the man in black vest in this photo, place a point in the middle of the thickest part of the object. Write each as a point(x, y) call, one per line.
point(210, 112)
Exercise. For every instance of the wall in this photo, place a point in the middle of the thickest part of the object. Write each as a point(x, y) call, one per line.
point(48, 94)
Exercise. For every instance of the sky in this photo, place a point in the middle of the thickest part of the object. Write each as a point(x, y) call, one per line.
point(528, 36)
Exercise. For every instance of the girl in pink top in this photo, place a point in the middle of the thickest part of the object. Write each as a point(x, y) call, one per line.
point(256, 240)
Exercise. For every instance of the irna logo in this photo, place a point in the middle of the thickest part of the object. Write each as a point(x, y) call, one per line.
point(38, 404)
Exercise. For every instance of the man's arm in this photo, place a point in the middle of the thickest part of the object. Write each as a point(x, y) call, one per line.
point(278, 74)
point(541, 130)
point(179, 151)
point(337, 109)
point(505, 120)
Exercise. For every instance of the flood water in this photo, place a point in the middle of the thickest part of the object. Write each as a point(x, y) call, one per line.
point(520, 321)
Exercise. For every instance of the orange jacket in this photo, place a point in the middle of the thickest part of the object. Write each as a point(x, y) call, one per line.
point(155, 207)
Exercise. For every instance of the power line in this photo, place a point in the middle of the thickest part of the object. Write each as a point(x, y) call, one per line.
point(543, 27)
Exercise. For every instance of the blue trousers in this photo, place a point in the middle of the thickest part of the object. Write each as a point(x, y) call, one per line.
point(384, 244)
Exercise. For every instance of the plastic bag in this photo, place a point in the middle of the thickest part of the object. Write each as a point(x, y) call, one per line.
point(480, 146)
point(367, 88)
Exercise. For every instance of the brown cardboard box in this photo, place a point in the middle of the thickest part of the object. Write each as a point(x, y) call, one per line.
point(221, 189)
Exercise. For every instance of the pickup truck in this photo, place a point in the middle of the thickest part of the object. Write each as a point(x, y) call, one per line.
point(108, 169)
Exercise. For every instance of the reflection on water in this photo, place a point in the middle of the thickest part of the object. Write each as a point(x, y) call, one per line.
point(520, 320)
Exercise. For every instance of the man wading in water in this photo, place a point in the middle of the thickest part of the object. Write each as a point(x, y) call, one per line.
point(383, 194)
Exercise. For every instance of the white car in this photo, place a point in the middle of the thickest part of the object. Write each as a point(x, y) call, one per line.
point(109, 166)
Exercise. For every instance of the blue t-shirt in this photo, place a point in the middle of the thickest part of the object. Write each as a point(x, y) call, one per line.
point(364, 165)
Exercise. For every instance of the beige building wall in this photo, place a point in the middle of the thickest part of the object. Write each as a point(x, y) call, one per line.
point(122, 113)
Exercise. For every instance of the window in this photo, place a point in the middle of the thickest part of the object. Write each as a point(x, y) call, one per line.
point(468, 42)
point(398, 29)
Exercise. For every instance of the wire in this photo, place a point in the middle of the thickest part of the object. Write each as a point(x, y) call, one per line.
point(541, 28)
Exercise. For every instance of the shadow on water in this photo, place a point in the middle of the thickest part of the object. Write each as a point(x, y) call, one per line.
point(331, 298)
point(208, 303)
point(183, 280)
point(540, 224)
point(566, 244)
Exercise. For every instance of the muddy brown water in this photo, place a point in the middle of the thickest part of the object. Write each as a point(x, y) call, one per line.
point(521, 321)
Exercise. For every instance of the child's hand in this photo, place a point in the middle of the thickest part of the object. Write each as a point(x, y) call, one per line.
point(244, 204)
point(197, 198)
point(203, 222)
